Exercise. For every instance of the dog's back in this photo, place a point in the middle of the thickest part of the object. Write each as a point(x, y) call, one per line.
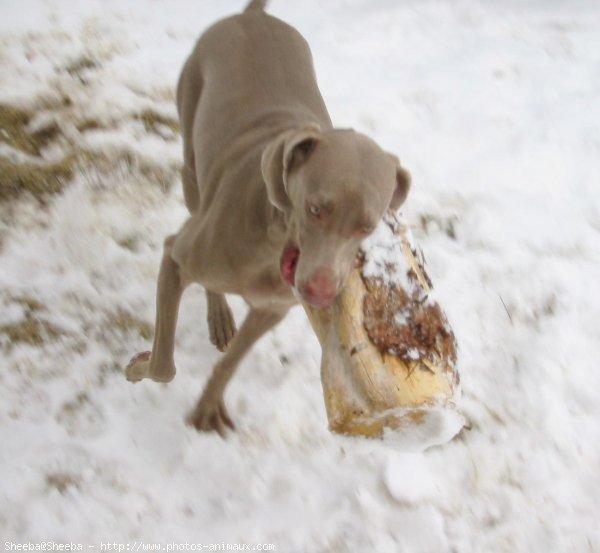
point(248, 73)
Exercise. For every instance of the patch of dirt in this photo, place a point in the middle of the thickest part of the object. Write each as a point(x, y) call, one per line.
point(400, 325)
point(74, 405)
point(446, 224)
point(63, 481)
point(79, 67)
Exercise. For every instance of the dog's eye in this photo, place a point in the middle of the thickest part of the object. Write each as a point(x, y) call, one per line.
point(314, 210)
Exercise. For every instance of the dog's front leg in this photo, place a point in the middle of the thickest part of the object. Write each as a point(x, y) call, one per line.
point(210, 412)
point(159, 365)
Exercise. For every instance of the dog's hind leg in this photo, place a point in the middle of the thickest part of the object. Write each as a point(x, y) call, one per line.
point(221, 324)
point(189, 89)
point(159, 365)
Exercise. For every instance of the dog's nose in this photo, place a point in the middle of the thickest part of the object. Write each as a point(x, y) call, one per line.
point(320, 290)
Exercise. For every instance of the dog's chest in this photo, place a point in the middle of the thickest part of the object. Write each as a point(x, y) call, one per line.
point(267, 289)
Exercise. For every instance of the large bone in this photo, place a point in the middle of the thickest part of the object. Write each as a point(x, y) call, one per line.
point(388, 353)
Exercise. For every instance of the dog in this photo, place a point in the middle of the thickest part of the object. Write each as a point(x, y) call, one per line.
point(279, 199)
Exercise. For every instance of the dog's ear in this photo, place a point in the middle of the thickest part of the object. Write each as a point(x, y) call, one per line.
point(403, 180)
point(284, 154)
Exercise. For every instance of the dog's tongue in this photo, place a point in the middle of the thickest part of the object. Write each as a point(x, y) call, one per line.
point(289, 261)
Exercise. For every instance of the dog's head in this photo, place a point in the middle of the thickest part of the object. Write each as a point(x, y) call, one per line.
point(333, 188)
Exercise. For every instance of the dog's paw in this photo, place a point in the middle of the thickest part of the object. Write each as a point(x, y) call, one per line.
point(211, 416)
point(140, 367)
point(221, 324)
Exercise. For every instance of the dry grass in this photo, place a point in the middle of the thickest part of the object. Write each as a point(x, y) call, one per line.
point(13, 130)
point(124, 161)
point(40, 180)
point(31, 330)
point(153, 121)
point(30, 304)
point(88, 125)
point(124, 322)
point(35, 330)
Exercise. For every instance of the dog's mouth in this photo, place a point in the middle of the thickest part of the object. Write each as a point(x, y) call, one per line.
point(288, 264)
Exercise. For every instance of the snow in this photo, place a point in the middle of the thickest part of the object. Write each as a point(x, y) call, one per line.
point(383, 255)
point(420, 487)
point(438, 425)
point(494, 109)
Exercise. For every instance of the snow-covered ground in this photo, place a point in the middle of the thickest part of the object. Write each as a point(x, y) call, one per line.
point(495, 109)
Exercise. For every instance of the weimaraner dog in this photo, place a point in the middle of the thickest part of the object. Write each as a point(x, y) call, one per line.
point(279, 200)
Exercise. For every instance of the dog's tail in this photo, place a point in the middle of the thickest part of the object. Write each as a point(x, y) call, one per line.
point(256, 5)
